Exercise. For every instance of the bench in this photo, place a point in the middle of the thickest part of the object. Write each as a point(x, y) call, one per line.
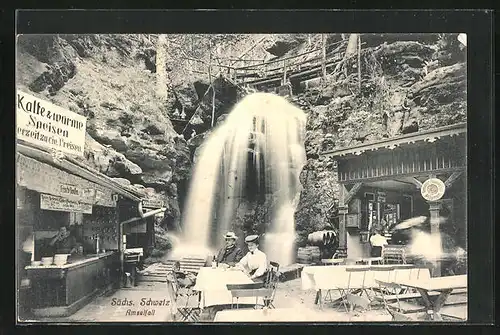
point(459, 291)
point(454, 313)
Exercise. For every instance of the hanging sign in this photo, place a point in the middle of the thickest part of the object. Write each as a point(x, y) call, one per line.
point(43, 123)
point(433, 189)
point(53, 203)
point(153, 203)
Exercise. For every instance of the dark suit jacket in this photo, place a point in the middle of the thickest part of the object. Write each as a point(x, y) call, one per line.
point(229, 256)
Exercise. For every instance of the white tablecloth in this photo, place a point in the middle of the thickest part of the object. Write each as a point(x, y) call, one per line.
point(272, 315)
point(336, 277)
point(212, 285)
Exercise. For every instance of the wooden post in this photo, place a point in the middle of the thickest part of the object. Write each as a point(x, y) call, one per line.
point(343, 209)
point(359, 62)
point(284, 72)
point(434, 208)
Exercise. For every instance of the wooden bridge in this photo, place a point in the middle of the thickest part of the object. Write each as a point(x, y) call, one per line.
point(304, 66)
point(267, 75)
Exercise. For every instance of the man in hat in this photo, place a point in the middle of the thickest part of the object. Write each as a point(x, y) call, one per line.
point(254, 263)
point(230, 254)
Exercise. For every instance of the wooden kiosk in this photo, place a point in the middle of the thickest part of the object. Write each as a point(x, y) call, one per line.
point(382, 181)
point(55, 192)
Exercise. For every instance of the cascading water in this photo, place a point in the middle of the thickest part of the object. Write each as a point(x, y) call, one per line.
point(258, 150)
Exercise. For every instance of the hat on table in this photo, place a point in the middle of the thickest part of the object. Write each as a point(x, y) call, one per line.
point(230, 235)
point(251, 238)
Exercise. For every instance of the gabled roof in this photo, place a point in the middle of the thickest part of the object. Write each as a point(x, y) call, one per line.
point(79, 169)
point(391, 143)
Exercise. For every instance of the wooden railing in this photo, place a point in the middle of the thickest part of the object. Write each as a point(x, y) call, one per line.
point(279, 70)
point(254, 72)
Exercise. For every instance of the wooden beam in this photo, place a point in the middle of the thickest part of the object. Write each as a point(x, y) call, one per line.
point(352, 193)
point(416, 182)
point(451, 179)
point(404, 181)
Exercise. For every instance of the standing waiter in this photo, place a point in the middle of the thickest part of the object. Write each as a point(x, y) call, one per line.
point(377, 242)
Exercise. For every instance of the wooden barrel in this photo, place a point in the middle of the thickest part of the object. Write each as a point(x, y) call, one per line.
point(322, 237)
point(308, 255)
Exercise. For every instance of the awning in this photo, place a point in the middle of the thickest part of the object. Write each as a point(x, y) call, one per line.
point(146, 215)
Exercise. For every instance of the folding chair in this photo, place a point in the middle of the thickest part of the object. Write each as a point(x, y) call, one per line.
point(271, 282)
point(390, 292)
point(383, 273)
point(355, 282)
point(402, 271)
point(357, 301)
point(185, 301)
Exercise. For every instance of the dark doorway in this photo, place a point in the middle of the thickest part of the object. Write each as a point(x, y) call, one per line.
point(406, 208)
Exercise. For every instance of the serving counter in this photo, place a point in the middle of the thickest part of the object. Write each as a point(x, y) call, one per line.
point(60, 290)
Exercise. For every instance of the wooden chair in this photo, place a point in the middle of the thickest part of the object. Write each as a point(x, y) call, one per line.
point(185, 301)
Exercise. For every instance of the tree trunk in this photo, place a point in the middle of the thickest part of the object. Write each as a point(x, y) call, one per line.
point(323, 50)
point(352, 49)
point(352, 45)
point(161, 67)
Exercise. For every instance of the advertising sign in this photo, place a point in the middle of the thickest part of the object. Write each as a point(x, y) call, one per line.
point(43, 123)
point(433, 189)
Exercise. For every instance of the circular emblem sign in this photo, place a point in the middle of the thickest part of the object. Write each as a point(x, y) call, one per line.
point(432, 189)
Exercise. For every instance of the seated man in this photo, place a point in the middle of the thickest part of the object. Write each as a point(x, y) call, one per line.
point(184, 279)
point(254, 263)
point(230, 254)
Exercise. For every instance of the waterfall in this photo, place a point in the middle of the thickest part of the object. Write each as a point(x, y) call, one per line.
point(257, 150)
